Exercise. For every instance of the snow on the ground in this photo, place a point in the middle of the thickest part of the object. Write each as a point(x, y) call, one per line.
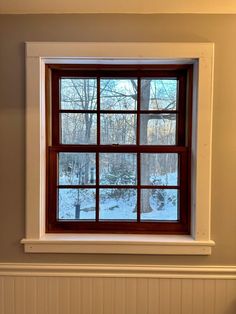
point(115, 208)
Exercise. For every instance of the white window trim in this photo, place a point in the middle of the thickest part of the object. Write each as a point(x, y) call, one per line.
point(39, 54)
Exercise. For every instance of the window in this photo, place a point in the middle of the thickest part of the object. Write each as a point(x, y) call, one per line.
point(118, 157)
point(194, 238)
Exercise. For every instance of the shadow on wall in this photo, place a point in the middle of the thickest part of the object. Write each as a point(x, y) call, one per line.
point(232, 308)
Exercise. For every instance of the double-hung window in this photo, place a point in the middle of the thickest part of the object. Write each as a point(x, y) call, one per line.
point(119, 139)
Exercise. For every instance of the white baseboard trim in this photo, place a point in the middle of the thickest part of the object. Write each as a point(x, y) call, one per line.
point(117, 271)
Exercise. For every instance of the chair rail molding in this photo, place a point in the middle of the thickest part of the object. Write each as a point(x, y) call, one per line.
point(117, 270)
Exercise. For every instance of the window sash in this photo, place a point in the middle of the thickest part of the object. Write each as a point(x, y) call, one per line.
point(181, 147)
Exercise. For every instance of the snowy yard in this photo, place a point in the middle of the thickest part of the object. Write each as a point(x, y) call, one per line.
point(119, 204)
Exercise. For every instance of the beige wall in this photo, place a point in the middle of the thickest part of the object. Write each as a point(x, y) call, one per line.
point(121, 6)
point(15, 30)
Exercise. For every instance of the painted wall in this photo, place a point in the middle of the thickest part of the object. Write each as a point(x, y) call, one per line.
point(99, 295)
point(16, 29)
point(121, 6)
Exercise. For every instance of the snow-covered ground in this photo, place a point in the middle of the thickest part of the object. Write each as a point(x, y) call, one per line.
point(114, 206)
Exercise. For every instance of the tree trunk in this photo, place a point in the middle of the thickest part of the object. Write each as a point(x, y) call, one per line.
point(146, 194)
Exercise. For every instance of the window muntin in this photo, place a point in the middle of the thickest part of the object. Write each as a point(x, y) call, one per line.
point(151, 131)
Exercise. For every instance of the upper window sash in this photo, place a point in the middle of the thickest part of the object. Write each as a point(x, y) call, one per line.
point(182, 73)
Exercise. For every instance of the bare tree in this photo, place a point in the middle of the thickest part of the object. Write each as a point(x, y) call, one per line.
point(118, 128)
point(145, 101)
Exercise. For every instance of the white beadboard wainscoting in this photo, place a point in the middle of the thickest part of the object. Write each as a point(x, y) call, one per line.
point(116, 289)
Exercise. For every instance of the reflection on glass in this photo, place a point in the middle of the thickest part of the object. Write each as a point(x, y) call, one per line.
point(118, 129)
point(77, 169)
point(158, 94)
point(78, 93)
point(76, 204)
point(118, 94)
point(78, 128)
point(158, 129)
point(159, 204)
point(159, 169)
point(118, 204)
point(118, 168)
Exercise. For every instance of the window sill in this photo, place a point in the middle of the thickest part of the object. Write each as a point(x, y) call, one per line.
point(118, 244)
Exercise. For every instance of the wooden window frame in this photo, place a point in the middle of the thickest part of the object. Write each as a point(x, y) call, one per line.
point(38, 56)
point(183, 74)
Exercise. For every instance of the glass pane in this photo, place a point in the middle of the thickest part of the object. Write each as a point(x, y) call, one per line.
point(77, 168)
point(118, 204)
point(159, 169)
point(159, 204)
point(158, 129)
point(158, 94)
point(118, 168)
point(118, 129)
point(118, 94)
point(78, 93)
point(76, 204)
point(78, 128)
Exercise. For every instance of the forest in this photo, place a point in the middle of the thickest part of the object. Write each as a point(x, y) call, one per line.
point(118, 112)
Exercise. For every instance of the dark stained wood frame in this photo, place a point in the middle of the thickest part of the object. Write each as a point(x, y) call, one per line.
point(183, 147)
